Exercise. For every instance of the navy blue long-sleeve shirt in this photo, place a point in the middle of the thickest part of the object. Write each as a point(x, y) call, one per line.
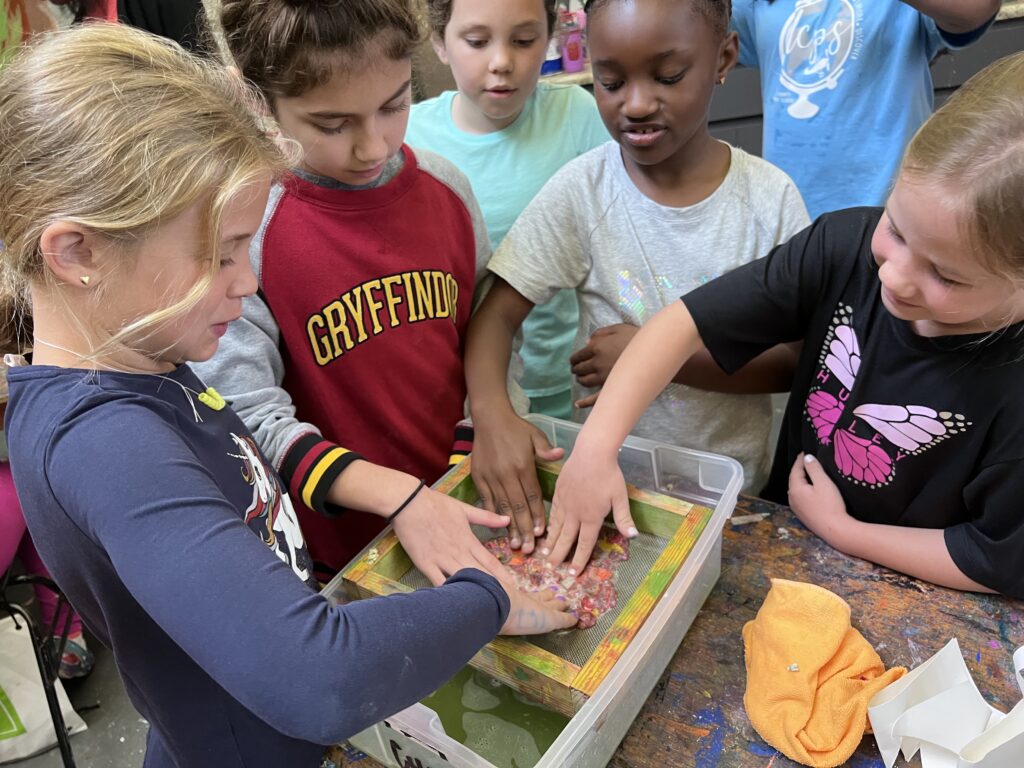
point(175, 542)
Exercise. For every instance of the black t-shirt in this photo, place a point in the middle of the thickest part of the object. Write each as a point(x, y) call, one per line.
point(920, 432)
point(179, 20)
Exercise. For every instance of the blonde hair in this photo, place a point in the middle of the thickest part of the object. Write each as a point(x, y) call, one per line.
point(973, 146)
point(117, 131)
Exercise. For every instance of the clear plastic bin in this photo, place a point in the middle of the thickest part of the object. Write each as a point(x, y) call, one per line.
point(415, 736)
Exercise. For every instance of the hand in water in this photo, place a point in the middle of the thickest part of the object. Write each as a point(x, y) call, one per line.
point(584, 494)
point(535, 613)
point(505, 448)
point(434, 530)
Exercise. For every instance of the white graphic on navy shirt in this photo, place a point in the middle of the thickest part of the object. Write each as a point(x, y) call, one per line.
point(272, 511)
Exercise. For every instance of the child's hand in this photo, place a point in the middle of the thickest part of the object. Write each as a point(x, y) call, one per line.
point(504, 451)
point(592, 364)
point(535, 614)
point(816, 501)
point(434, 530)
point(585, 491)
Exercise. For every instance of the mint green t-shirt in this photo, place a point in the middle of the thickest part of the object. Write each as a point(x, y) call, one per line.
point(506, 169)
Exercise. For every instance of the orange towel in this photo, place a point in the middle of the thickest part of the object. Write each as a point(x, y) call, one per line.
point(810, 675)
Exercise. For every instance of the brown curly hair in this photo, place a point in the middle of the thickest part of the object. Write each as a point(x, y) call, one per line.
point(287, 47)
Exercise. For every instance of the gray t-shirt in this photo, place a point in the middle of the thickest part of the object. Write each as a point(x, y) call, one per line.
point(591, 229)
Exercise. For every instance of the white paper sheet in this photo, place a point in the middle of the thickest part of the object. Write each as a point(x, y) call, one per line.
point(937, 709)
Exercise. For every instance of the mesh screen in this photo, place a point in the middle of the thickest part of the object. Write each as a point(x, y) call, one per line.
point(578, 645)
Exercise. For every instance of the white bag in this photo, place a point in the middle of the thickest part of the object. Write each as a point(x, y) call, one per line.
point(25, 724)
point(938, 711)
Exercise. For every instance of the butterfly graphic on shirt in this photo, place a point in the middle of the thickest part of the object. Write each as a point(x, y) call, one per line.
point(896, 431)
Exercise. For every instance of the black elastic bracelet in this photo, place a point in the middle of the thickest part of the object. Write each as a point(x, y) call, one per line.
point(408, 501)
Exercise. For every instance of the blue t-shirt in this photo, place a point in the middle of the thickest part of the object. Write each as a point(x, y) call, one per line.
point(845, 85)
point(506, 169)
point(173, 538)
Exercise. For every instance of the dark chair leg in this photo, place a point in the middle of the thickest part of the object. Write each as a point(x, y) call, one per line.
point(47, 656)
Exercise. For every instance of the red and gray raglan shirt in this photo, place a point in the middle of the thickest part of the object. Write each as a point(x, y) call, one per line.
point(355, 340)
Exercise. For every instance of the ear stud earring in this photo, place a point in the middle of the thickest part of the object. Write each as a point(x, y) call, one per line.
point(85, 279)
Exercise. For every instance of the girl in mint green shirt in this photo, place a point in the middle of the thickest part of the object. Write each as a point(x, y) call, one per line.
point(509, 134)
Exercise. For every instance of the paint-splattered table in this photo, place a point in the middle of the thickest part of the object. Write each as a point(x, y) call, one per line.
point(695, 716)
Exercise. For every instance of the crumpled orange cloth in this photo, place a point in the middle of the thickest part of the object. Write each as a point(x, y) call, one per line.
point(810, 675)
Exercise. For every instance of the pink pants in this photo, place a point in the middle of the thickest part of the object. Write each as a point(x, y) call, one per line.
point(14, 540)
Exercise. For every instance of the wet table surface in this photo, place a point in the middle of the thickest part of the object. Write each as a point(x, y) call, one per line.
point(695, 716)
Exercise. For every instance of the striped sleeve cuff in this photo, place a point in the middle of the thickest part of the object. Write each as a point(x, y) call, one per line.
point(463, 443)
point(310, 467)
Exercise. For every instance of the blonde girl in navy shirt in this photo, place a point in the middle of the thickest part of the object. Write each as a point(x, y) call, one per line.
point(132, 179)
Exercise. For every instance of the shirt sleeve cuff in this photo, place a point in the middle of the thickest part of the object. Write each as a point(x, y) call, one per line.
point(963, 39)
point(309, 468)
point(462, 445)
point(489, 583)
